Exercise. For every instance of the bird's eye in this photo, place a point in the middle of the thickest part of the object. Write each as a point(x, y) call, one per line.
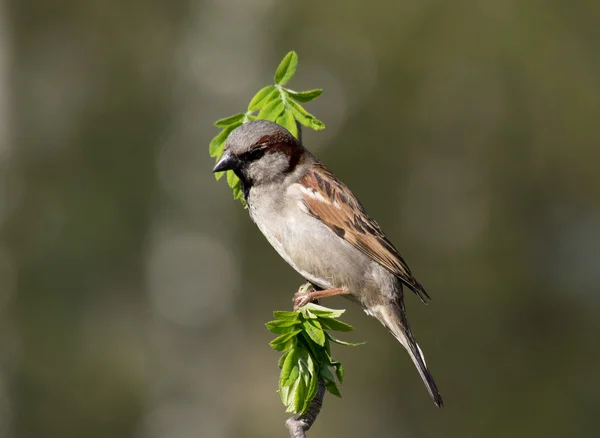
point(255, 154)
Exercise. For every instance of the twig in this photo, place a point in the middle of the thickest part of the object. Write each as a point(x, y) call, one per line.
point(298, 425)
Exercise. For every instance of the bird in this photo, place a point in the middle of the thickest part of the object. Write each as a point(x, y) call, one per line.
point(319, 227)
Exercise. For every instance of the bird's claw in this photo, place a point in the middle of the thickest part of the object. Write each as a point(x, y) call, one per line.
point(300, 299)
point(303, 296)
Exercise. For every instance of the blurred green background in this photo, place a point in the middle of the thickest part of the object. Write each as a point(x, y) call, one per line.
point(133, 289)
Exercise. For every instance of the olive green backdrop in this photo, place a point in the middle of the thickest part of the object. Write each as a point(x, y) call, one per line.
point(133, 289)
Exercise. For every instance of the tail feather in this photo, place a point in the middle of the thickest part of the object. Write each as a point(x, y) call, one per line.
point(393, 317)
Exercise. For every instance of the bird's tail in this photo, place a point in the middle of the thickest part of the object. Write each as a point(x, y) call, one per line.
point(393, 317)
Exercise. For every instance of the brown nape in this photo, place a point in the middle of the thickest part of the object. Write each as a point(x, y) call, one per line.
point(275, 138)
point(292, 151)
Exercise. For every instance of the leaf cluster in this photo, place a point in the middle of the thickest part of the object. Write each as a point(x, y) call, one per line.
point(275, 103)
point(304, 339)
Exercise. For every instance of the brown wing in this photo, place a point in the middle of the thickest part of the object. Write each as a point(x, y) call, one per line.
point(330, 201)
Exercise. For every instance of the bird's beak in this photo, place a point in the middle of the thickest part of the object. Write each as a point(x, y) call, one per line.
point(226, 162)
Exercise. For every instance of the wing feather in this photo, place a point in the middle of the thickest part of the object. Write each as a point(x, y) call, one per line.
point(329, 200)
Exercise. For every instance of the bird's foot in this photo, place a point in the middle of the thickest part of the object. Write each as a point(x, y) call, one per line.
point(303, 296)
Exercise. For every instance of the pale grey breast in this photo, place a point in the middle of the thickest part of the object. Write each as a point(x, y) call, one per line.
point(308, 245)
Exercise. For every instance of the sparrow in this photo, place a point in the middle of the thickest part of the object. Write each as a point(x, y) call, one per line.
point(319, 227)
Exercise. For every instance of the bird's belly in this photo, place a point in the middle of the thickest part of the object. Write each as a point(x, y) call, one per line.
point(319, 255)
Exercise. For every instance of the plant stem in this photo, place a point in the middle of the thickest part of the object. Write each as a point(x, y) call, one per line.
point(298, 425)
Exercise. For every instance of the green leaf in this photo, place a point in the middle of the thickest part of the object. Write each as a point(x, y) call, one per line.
point(282, 120)
point(281, 323)
point(324, 312)
point(309, 345)
point(282, 359)
point(224, 123)
point(269, 101)
point(219, 175)
point(303, 365)
point(304, 117)
point(339, 371)
point(305, 311)
point(314, 330)
point(283, 330)
point(272, 110)
point(232, 179)
point(236, 185)
point(282, 314)
point(284, 394)
point(289, 371)
point(215, 148)
point(285, 341)
point(313, 387)
point(305, 391)
point(286, 68)
point(340, 342)
point(289, 123)
point(277, 325)
point(304, 96)
point(334, 324)
point(310, 363)
point(332, 388)
point(263, 97)
point(327, 374)
point(307, 340)
point(217, 145)
point(305, 287)
point(309, 314)
point(327, 348)
point(292, 389)
point(237, 192)
point(299, 395)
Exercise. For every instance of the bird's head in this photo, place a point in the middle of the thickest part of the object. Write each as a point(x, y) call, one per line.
point(260, 152)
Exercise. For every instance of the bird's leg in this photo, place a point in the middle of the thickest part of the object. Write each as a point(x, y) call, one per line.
point(303, 295)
